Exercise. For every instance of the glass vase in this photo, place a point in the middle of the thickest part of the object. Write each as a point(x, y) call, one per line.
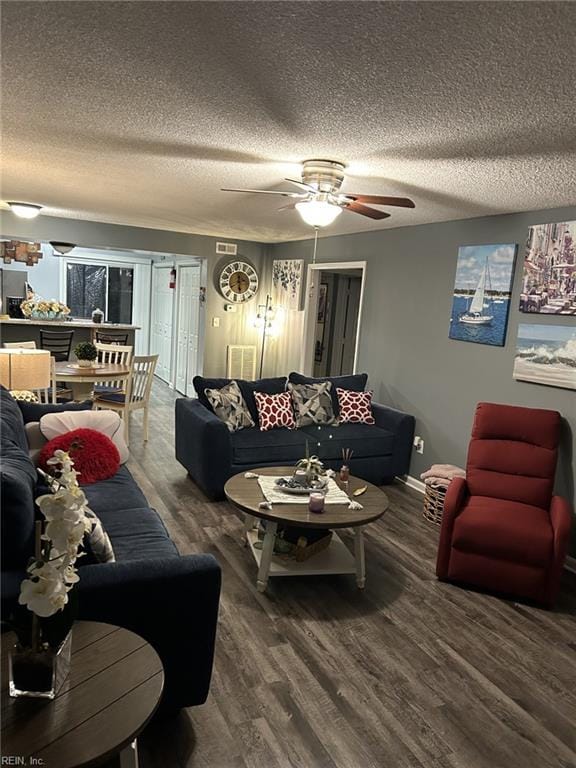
point(39, 674)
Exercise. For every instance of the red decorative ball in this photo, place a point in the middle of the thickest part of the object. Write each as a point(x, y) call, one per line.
point(94, 455)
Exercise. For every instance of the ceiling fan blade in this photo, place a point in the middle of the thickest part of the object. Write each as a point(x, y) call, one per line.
point(288, 207)
point(309, 187)
point(364, 210)
point(264, 192)
point(401, 202)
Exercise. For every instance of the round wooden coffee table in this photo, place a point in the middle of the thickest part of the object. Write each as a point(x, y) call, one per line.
point(112, 691)
point(246, 495)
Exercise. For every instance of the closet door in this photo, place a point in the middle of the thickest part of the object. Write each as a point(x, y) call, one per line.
point(188, 322)
point(161, 325)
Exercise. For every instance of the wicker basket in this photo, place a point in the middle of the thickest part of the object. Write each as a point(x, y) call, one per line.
point(434, 504)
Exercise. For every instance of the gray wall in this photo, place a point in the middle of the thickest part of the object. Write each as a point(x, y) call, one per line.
point(234, 328)
point(404, 343)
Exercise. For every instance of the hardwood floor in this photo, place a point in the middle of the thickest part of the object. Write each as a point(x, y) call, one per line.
point(409, 673)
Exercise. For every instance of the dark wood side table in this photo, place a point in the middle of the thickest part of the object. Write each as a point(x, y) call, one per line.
point(114, 688)
point(246, 495)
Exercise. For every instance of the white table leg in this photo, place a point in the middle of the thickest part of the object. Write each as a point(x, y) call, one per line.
point(267, 551)
point(129, 756)
point(248, 526)
point(359, 557)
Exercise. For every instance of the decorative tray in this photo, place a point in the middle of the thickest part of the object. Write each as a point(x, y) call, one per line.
point(95, 367)
point(289, 485)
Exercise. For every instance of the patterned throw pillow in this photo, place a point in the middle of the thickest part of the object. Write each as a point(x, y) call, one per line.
point(274, 411)
point(312, 403)
point(355, 406)
point(97, 542)
point(230, 407)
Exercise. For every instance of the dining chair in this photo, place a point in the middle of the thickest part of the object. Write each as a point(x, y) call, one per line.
point(136, 395)
point(120, 339)
point(58, 343)
point(115, 354)
point(48, 395)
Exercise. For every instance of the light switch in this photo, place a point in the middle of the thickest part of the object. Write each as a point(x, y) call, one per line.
point(215, 322)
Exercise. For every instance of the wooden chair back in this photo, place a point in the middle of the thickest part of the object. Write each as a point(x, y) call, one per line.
point(141, 377)
point(114, 353)
point(58, 343)
point(121, 339)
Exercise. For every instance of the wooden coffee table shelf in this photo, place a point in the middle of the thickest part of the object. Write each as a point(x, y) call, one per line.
point(246, 495)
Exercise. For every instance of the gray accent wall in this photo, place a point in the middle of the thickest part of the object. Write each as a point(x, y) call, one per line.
point(404, 344)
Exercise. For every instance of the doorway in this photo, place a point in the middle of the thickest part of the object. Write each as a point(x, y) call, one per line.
point(337, 322)
point(332, 318)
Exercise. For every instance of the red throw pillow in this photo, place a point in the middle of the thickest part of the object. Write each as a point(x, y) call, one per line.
point(355, 406)
point(274, 410)
point(95, 456)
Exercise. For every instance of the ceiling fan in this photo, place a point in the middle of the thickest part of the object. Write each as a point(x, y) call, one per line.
point(321, 201)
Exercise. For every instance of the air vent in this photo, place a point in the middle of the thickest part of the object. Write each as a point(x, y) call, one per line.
point(241, 362)
point(227, 249)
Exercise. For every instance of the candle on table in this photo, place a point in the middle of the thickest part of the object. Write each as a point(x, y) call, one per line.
point(316, 502)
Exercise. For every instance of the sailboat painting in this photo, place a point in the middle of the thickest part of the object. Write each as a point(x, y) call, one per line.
point(482, 291)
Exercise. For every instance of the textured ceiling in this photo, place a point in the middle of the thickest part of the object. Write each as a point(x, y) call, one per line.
point(138, 112)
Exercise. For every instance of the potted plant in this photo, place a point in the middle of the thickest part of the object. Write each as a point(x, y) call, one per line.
point(86, 353)
point(311, 466)
point(40, 660)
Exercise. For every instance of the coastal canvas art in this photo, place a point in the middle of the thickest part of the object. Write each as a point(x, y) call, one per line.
point(546, 354)
point(482, 290)
point(549, 279)
point(287, 282)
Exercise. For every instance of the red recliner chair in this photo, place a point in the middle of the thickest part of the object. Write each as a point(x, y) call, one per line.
point(502, 529)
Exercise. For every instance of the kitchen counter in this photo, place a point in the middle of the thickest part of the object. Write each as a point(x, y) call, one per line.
point(12, 330)
point(72, 324)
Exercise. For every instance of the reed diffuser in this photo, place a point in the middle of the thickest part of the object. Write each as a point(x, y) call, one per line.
point(347, 454)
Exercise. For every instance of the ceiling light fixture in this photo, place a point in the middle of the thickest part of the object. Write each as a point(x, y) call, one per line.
point(318, 212)
point(60, 248)
point(25, 210)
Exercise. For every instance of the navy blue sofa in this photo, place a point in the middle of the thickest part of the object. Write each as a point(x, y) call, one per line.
point(212, 454)
point(169, 600)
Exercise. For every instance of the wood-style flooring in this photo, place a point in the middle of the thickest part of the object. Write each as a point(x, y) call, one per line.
point(409, 673)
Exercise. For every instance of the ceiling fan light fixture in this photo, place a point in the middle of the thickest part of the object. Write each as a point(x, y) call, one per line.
point(25, 210)
point(318, 213)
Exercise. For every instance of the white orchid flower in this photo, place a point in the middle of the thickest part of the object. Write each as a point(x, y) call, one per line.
point(44, 597)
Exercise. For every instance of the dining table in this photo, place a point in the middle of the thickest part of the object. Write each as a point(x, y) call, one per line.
point(82, 380)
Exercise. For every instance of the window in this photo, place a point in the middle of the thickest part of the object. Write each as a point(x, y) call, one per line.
point(100, 286)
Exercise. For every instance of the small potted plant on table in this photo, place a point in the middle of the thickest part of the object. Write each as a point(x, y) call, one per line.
point(86, 353)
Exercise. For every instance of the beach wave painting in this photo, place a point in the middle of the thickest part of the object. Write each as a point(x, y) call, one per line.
point(546, 354)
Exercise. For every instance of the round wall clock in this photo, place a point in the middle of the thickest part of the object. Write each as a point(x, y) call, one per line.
point(238, 281)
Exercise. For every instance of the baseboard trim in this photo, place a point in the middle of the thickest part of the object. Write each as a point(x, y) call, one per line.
point(412, 482)
point(418, 485)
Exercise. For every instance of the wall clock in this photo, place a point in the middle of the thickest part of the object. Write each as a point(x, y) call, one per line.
point(238, 281)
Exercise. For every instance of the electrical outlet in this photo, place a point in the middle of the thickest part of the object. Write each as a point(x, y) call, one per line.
point(419, 444)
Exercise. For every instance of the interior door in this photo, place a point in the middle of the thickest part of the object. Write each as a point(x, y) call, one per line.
point(161, 325)
point(188, 322)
